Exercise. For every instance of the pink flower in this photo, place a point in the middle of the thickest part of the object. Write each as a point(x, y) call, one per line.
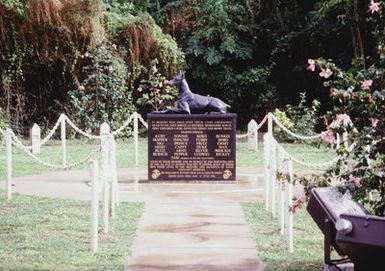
point(110, 68)
point(325, 73)
point(331, 92)
point(311, 66)
point(374, 7)
point(341, 119)
point(301, 193)
point(81, 87)
point(366, 84)
point(350, 166)
point(371, 99)
point(140, 89)
point(328, 136)
point(114, 46)
point(356, 181)
point(338, 120)
point(373, 122)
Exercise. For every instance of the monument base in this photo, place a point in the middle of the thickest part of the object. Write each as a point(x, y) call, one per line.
point(192, 147)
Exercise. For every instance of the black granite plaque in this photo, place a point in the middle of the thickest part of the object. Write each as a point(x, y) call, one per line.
point(191, 147)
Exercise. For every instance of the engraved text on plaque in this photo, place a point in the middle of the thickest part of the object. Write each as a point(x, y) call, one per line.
point(191, 147)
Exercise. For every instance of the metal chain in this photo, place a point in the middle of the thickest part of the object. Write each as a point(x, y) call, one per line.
point(80, 131)
point(311, 165)
point(51, 132)
point(145, 124)
point(20, 145)
point(262, 122)
point(125, 124)
point(243, 136)
point(313, 137)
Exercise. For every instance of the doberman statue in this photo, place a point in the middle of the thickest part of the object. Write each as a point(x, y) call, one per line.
point(191, 103)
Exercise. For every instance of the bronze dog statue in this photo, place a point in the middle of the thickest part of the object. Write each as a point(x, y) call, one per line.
point(191, 103)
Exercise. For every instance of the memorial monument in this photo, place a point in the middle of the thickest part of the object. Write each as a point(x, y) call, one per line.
point(193, 142)
point(191, 103)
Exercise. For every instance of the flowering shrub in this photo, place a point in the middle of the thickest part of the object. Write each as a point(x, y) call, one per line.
point(300, 118)
point(156, 95)
point(282, 118)
point(359, 93)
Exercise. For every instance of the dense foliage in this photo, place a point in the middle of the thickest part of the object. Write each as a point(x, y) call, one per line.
point(250, 53)
point(300, 118)
point(3, 122)
point(253, 53)
point(359, 95)
point(103, 94)
point(79, 57)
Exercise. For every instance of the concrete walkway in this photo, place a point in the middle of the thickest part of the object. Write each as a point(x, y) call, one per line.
point(193, 236)
point(185, 226)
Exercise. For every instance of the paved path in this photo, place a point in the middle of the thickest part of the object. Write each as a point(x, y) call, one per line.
point(185, 226)
point(193, 236)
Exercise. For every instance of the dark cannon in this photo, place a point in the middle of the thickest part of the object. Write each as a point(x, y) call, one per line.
point(191, 103)
point(350, 230)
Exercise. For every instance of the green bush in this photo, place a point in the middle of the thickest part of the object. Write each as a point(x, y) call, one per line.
point(103, 95)
point(300, 119)
point(359, 95)
point(156, 95)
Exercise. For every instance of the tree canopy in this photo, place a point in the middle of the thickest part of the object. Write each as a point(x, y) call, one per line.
point(251, 53)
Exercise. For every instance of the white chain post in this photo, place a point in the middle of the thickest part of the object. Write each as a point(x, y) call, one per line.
point(252, 136)
point(271, 164)
point(35, 139)
point(266, 160)
point(281, 211)
point(290, 223)
point(338, 141)
point(345, 139)
point(94, 170)
point(278, 183)
point(8, 159)
point(136, 138)
point(115, 173)
point(367, 155)
point(273, 176)
point(113, 177)
point(270, 124)
point(104, 176)
point(282, 208)
point(63, 138)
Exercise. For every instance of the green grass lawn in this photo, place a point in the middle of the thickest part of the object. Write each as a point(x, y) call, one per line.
point(38, 233)
point(77, 150)
point(52, 234)
point(304, 152)
point(308, 241)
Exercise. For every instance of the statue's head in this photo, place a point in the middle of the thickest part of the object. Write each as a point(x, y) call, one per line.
point(177, 80)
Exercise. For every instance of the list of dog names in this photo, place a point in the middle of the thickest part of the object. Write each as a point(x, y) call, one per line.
point(193, 147)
